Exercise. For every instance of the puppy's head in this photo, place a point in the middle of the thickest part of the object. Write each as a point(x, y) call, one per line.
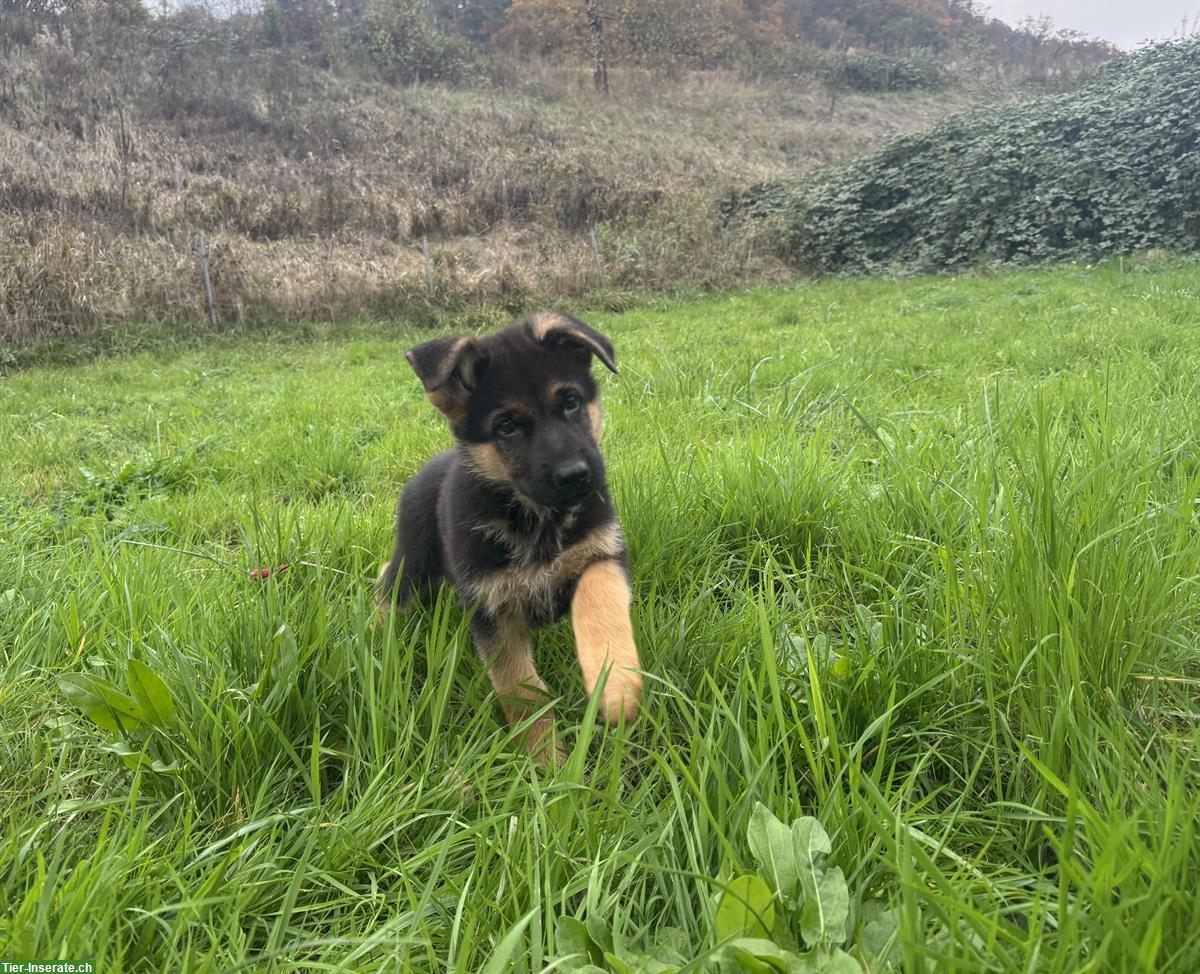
point(524, 404)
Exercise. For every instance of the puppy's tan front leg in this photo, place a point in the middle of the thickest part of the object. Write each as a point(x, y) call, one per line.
point(604, 638)
point(506, 649)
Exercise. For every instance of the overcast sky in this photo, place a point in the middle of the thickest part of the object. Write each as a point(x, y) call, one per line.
point(1124, 22)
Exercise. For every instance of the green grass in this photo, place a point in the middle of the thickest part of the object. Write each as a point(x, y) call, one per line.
point(920, 559)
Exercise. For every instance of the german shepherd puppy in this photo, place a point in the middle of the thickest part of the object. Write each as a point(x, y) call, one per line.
point(517, 515)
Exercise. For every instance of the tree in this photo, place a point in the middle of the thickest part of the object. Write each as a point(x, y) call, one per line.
point(648, 33)
point(595, 21)
point(476, 20)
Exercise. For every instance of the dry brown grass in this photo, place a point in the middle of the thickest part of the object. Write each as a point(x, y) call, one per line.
point(314, 190)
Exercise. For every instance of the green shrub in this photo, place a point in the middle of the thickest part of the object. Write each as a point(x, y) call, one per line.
point(1110, 168)
point(879, 72)
point(843, 71)
point(407, 47)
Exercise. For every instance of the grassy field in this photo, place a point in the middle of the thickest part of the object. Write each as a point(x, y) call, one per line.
point(918, 558)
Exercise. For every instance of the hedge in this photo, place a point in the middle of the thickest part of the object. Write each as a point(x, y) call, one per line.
point(1112, 167)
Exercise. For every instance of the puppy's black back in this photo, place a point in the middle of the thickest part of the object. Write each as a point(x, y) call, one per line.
point(416, 570)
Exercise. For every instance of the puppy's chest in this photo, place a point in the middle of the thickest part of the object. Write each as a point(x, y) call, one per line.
point(523, 545)
point(532, 567)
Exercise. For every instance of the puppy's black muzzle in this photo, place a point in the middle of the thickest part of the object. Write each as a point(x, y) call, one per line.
point(572, 481)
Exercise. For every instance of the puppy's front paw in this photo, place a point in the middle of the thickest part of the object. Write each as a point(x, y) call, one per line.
point(542, 744)
point(621, 696)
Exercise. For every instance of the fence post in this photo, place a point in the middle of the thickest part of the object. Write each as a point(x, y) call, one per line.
point(596, 251)
point(428, 265)
point(208, 288)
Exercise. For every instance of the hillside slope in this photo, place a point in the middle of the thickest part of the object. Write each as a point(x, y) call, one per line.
point(313, 189)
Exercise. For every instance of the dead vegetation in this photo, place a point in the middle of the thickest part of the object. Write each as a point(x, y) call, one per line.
point(314, 187)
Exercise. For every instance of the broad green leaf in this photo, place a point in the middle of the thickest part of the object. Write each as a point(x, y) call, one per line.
point(134, 759)
point(150, 693)
point(773, 847)
point(630, 963)
point(671, 945)
point(649, 964)
point(811, 843)
point(869, 625)
point(877, 938)
point(130, 757)
point(106, 706)
point(745, 961)
point(826, 900)
point(600, 935)
point(616, 964)
point(826, 906)
point(821, 649)
point(746, 909)
point(835, 961)
point(653, 965)
point(781, 933)
point(810, 840)
point(574, 945)
point(755, 954)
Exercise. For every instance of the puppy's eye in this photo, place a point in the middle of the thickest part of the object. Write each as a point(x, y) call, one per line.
point(505, 426)
point(570, 402)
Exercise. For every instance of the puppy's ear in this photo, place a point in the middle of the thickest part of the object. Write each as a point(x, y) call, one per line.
point(449, 369)
point(563, 331)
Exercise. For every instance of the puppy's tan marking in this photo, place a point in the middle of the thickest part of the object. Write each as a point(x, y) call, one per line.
point(520, 689)
point(594, 413)
point(545, 325)
point(517, 408)
point(486, 461)
point(453, 407)
point(448, 373)
point(522, 586)
point(553, 392)
point(445, 368)
point(604, 639)
point(596, 419)
point(383, 602)
point(545, 322)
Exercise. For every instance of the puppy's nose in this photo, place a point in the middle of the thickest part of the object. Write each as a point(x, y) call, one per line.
point(574, 475)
